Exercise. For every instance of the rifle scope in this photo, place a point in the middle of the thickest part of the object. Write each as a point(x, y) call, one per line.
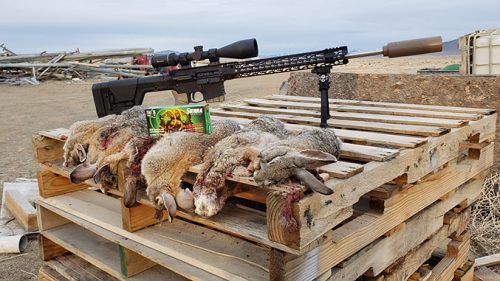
point(242, 49)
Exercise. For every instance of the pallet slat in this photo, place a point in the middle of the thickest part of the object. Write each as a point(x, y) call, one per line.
point(352, 135)
point(361, 231)
point(429, 157)
point(367, 109)
point(341, 169)
point(469, 110)
point(412, 130)
point(50, 213)
point(447, 123)
point(21, 209)
point(104, 212)
point(427, 225)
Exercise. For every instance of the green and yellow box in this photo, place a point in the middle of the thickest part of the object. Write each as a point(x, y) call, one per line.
point(186, 118)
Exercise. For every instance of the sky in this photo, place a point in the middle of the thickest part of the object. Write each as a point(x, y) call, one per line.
point(280, 27)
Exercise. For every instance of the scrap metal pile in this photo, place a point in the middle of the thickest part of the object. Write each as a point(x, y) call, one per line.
point(18, 69)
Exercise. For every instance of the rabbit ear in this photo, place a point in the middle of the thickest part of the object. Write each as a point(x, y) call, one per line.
point(130, 193)
point(82, 173)
point(169, 204)
point(81, 152)
point(312, 158)
point(100, 172)
point(310, 181)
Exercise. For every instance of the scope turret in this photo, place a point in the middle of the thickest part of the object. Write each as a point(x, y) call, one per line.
point(242, 49)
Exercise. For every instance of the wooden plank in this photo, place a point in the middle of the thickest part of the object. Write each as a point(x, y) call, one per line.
point(341, 169)
point(379, 255)
point(46, 273)
point(56, 167)
point(404, 268)
point(276, 231)
point(57, 134)
point(71, 267)
point(46, 149)
point(104, 212)
point(465, 272)
point(470, 110)
point(413, 130)
point(49, 249)
point(456, 256)
point(91, 271)
point(397, 229)
point(90, 247)
point(350, 135)
point(51, 184)
point(21, 209)
point(132, 263)
point(385, 191)
point(366, 153)
point(48, 219)
point(177, 266)
point(366, 109)
point(102, 253)
point(69, 270)
point(138, 217)
point(364, 229)
point(408, 120)
point(240, 222)
point(256, 195)
point(412, 163)
point(487, 260)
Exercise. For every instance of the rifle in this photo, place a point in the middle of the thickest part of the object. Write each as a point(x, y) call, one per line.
point(187, 82)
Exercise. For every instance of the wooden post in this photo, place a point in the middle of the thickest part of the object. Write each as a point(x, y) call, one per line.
point(51, 184)
point(138, 217)
point(132, 263)
point(46, 149)
point(47, 220)
point(49, 249)
point(275, 230)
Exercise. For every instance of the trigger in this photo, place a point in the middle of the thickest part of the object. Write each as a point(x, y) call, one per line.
point(190, 97)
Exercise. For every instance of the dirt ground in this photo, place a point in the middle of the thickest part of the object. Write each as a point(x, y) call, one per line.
point(27, 109)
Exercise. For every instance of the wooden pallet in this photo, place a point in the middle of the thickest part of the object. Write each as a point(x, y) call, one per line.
point(87, 223)
point(400, 163)
point(397, 253)
point(415, 139)
point(69, 267)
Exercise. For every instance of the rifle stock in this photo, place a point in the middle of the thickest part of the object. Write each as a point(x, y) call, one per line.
point(113, 97)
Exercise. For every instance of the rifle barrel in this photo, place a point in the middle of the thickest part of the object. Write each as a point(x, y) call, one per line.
point(363, 54)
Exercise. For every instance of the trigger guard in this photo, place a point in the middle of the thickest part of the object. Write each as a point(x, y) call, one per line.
point(191, 97)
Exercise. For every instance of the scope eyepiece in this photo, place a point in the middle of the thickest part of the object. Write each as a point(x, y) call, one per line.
point(242, 49)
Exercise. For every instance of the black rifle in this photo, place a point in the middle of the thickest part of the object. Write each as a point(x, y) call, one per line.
point(187, 81)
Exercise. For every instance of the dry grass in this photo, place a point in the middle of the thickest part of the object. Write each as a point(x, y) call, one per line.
point(485, 220)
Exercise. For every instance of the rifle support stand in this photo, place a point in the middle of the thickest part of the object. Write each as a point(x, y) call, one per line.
point(324, 84)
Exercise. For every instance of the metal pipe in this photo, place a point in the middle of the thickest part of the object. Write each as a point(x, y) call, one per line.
point(13, 244)
point(363, 54)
